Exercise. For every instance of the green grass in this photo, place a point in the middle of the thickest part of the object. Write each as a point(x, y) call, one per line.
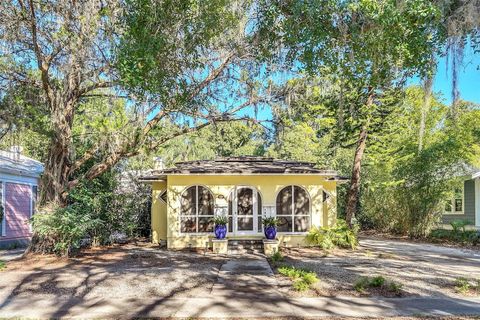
point(364, 283)
point(302, 279)
point(3, 265)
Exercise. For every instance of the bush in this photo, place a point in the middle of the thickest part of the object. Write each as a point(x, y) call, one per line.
point(3, 265)
point(277, 257)
point(463, 236)
point(101, 211)
point(301, 286)
point(363, 283)
point(302, 279)
point(64, 229)
point(462, 285)
point(466, 286)
point(377, 281)
point(340, 235)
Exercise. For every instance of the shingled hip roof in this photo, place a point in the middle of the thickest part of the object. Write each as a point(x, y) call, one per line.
point(241, 165)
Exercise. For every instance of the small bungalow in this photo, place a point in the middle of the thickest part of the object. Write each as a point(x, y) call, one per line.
point(19, 177)
point(244, 189)
point(465, 202)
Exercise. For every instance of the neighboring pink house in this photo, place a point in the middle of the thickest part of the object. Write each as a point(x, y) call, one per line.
point(19, 177)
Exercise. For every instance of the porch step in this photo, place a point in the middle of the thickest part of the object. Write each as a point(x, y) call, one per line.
point(245, 246)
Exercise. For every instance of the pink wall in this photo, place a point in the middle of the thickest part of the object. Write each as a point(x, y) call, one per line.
point(17, 210)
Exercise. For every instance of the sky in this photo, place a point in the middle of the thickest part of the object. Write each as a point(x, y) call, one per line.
point(468, 76)
point(469, 79)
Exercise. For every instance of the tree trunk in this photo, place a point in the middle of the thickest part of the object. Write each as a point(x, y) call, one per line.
point(354, 189)
point(55, 177)
point(427, 86)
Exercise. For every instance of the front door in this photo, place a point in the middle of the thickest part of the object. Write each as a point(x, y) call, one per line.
point(245, 213)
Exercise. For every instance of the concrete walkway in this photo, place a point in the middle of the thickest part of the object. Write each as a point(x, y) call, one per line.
point(247, 278)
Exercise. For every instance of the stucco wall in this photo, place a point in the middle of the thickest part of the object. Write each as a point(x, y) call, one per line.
point(159, 213)
point(165, 220)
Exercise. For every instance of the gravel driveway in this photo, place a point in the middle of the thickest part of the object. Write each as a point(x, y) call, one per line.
point(144, 281)
point(131, 271)
point(422, 269)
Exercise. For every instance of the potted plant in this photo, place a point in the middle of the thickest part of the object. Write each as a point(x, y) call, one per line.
point(220, 226)
point(270, 227)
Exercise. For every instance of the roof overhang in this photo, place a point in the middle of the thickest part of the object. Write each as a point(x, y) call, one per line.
point(164, 177)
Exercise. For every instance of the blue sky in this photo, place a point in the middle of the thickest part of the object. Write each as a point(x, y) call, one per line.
point(469, 78)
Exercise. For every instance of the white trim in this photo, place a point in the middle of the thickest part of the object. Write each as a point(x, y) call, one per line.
point(235, 216)
point(4, 191)
point(293, 210)
point(477, 202)
point(3, 232)
point(196, 216)
point(454, 212)
point(18, 179)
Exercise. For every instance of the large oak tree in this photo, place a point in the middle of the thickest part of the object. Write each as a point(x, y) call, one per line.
point(161, 67)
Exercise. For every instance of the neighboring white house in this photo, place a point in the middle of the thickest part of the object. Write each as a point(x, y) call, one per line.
point(19, 176)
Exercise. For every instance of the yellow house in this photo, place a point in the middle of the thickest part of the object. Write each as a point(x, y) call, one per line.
point(188, 196)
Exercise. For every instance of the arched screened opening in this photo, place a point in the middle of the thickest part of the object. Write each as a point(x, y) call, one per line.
point(293, 209)
point(244, 207)
point(196, 210)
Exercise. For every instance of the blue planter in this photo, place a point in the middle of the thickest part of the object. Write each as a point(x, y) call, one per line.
point(270, 232)
point(220, 231)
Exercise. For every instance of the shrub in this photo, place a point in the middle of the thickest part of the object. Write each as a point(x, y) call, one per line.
point(394, 287)
point(458, 226)
point(64, 228)
point(459, 235)
point(102, 211)
point(301, 285)
point(363, 283)
point(465, 286)
point(339, 235)
point(377, 281)
point(277, 257)
point(3, 265)
point(462, 285)
point(302, 279)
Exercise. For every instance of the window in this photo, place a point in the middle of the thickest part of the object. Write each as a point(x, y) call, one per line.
point(196, 210)
point(455, 205)
point(293, 209)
